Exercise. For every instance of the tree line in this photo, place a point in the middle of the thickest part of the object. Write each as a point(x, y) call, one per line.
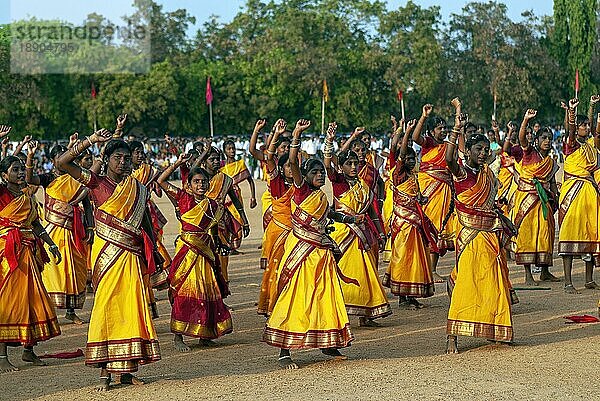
point(271, 59)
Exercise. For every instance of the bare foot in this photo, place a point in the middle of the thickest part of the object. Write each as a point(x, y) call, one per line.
point(530, 281)
point(6, 366)
point(414, 304)
point(206, 343)
point(437, 278)
point(451, 345)
point(334, 353)
point(179, 344)
point(570, 289)
point(72, 316)
point(30, 356)
point(286, 362)
point(365, 322)
point(89, 289)
point(592, 285)
point(128, 378)
point(104, 384)
point(547, 276)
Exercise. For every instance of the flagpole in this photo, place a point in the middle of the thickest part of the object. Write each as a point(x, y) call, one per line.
point(323, 116)
point(403, 118)
point(210, 119)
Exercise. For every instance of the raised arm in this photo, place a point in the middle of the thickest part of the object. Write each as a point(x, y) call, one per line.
point(73, 140)
point(529, 114)
point(257, 154)
point(592, 111)
point(30, 178)
point(328, 150)
point(301, 126)
point(404, 144)
point(451, 154)
point(417, 137)
point(163, 178)
point(571, 128)
point(19, 147)
point(355, 135)
point(510, 129)
point(65, 162)
point(121, 119)
point(496, 129)
point(278, 129)
point(396, 139)
point(4, 131)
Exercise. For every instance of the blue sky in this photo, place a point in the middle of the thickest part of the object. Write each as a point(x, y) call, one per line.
point(75, 10)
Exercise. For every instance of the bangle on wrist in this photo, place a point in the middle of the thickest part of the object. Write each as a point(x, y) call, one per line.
point(28, 166)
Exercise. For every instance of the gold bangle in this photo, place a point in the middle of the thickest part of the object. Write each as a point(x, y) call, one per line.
point(28, 166)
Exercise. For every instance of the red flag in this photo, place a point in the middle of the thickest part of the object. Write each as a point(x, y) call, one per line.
point(577, 80)
point(399, 96)
point(93, 91)
point(209, 95)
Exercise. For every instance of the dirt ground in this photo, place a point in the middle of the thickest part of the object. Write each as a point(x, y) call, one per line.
point(403, 359)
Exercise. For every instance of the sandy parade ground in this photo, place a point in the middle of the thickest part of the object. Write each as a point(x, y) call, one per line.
point(403, 359)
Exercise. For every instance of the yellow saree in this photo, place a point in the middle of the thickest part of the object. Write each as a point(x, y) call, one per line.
point(435, 182)
point(533, 217)
point(409, 272)
point(358, 245)
point(66, 281)
point(273, 248)
point(310, 310)
point(121, 333)
point(27, 314)
point(238, 171)
point(481, 303)
point(580, 199)
point(197, 303)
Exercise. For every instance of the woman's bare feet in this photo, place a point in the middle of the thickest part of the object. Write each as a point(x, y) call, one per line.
point(286, 362)
point(72, 316)
point(530, 281)
point(6, 366)
point(414, 304)
point(570, 289)
point(128, 378)
point(206, 343)
point(334, 353)
point(30, 356)
point(179, 344)
point(591, 285)
point(451, 345)
point(104, 384)
point(366, 322)
point(545, 275)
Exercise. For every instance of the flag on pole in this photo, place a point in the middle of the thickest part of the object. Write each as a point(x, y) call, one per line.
point(325, 91)
point(93, 91)
point(399, 95)
point(209, 95)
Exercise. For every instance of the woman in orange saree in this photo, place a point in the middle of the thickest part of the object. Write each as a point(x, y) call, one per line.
point(535, 201)
point(66, 201)
point(579, 235)
point(310, 310)
point(195, 280)
point(123, 253)
point(481, 302)
point(238, 171)
point(408, 275)
point(436, 181)
point(281, 189)
point(27, 315)
point(359, 242)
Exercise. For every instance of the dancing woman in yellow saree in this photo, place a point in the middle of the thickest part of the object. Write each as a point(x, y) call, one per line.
point(579, 233)
point(408, 275)
point(238, 171)
point(280, 186)
point(310, 310)
point(535, 202)
point(481, 303)
point(27, 315)
point(195, 279)
point(436, 182)
point(359, 242)
point(123, 254)
point(65, 202)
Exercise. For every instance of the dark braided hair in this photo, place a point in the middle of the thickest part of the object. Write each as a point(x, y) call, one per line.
point(195, 171)
point(7, 162)
point(346, 155)
point(56, 151)
point(310, 164)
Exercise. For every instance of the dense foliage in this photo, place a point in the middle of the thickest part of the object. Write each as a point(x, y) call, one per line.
point(270, 60)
